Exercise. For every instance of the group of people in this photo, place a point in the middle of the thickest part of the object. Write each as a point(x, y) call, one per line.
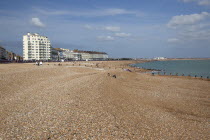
point(38, 63)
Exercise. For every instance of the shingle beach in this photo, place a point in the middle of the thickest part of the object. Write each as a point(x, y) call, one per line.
point(80, 101)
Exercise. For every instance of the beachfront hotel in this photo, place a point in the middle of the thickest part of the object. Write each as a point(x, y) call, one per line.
point(36, 47)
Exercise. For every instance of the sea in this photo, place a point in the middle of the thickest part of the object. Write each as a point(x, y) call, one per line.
point(198, 68)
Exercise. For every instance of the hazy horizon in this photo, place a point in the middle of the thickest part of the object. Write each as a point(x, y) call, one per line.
point(121, 28)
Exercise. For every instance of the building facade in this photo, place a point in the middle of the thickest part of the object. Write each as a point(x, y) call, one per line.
point(3, 53)
point(59, 54)
point(36, 47)
point(91, 55)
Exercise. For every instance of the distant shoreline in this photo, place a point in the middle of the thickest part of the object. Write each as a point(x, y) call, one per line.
point(187, 59)
point(157, 72)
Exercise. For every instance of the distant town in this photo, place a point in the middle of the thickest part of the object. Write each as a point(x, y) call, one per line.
point(38, 48)
point(9, 56)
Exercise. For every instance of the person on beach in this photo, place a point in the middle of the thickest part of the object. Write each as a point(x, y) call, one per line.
point(40, 63)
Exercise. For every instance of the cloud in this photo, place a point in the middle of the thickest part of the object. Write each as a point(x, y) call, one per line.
point(112, 28)
point(37, 22)
point(199, 2)
point(173, 40)
point(187, 19)
point(88, 13)
point(88, 27)
point(105, 38)
point(117, 11)
point(199, 34)
point(194, 27)
point(204, 2)
point(106, 28)
point(122, 34)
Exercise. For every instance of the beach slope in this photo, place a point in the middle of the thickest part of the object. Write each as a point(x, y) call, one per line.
point(62, 102)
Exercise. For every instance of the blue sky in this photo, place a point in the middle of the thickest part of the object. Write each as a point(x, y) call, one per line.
point(122, 28)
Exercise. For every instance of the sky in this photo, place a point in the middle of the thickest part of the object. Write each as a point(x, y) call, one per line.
point(122, 28)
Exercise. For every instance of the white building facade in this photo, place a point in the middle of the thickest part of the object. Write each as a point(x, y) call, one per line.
point(36, 47)
point(66, 54)
point(89, 55)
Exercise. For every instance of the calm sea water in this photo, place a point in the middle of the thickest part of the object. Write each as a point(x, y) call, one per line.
point(186, 67)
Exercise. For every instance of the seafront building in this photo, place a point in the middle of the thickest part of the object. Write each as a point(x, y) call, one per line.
point(9, 56)
point(66, 54)
point(89, 55)
point(62, 54)
point(3, 53)
point(36, 47)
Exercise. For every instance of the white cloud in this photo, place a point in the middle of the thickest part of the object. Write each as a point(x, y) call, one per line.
point(89, 13)
point(202, 34)
point(187, 19)
point(105, 38)
point(88, 27)
point(194, 27)
point(106, 28)
point(204, 2)
point(117, 11)
point(122, 34)
point(173, 40)
point(37, 22)
point(199, 2)
point(112, 28)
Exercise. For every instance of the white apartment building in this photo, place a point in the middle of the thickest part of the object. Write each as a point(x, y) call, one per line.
point(36, 47)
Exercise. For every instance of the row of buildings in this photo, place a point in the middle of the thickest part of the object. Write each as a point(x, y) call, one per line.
point(9, 56)
point(37, 47)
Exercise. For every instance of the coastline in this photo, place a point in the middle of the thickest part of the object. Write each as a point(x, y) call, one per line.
point(79, 100)
point(155, 72)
